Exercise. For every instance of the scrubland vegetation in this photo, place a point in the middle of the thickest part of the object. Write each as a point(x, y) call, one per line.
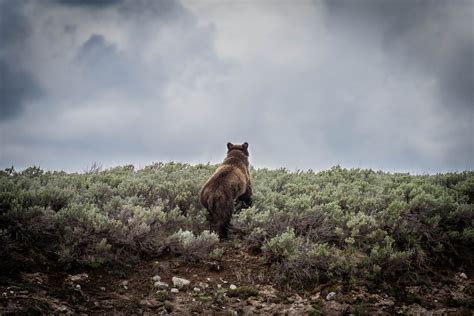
point(311, 226)
point(355, 226)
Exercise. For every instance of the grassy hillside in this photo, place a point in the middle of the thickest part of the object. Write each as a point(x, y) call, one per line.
point(348, 226)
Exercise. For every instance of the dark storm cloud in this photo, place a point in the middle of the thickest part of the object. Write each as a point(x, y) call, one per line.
point(164, 10)
point(88, 3)
point(394, 17)
point(104, 65)
point(434, 35)
point(375, 84)
point(17, 87)
point(158, 9)
point(17, 84)
point(457, 76)
point(14, 26)
point(96, 50)
point(110, 70)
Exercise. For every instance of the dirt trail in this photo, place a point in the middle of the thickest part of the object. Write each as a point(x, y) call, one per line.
point(105, 291)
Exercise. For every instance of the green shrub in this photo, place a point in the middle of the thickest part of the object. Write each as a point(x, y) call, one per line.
point(310, 227)
point(194, 247)
point(285, 246)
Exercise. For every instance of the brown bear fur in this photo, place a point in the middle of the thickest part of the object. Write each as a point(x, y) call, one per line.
point(229, 183)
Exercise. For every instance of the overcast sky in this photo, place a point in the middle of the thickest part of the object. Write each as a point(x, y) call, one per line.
point(308, 84)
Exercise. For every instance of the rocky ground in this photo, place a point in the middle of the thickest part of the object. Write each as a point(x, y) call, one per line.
point(237, 284)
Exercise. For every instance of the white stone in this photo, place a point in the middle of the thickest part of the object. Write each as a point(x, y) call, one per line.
point(463, 275)
point(102, 288)
point(62, 308)
point(331, 296)
point(78, 286)
point(174, 290)
point(180, 283)
point(232, 287)
point(156, 278)
point(196, 289)
point(161, 285)
point(79, 277)
point(225, 282)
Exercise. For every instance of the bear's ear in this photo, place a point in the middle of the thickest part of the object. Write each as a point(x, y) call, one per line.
point(246, 145)
point(229, 145)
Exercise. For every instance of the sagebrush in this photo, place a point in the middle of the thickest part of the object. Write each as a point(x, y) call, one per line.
point(350, 224)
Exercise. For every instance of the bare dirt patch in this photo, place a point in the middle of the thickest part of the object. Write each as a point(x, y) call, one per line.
point(237, 284)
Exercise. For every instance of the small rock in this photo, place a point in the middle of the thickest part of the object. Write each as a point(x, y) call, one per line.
point(316, 296)
point(161, 285)
point(125, 284)
point(225, 282)
point(4, 294)
point(150, 302)
point(79, 277)
point(219, 286)
point(414, 290)
point(156, 278)
point(180, 283)
point(331, 296)
point(203, 285)
point(78, 287)
point(208, 279)
point(463, 275)
point(102, 288)
point(174, 290)
point(62, 308)
point(196, 289)
point(232, 287)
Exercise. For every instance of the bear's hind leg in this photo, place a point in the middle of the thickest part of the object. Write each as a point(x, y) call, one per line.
point(246, 200)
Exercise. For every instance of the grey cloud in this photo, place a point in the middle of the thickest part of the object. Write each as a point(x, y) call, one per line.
point(14, 26)
point(457, 76)
point(70, 29)
point(17, 84)
point(394, 17)
point(164, 10)
point(137, 81)
point(96, 50)
point(17, 87)
point(436, 36)
point(103, 65)
point(89, 3)
point(106, 92)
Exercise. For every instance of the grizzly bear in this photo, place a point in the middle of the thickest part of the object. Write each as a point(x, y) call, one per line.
point(230, 183)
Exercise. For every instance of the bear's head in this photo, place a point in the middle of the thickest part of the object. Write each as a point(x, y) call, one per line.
point(243, 148)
